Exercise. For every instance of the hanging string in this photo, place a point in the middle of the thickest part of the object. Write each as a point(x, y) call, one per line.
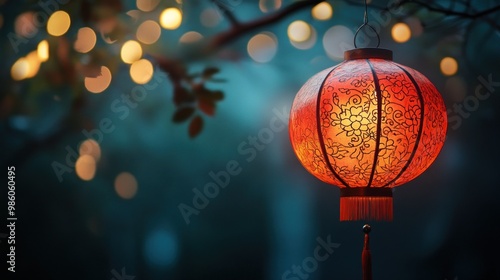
point(365, 23)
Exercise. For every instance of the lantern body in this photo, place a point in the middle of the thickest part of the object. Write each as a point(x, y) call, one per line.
point(367, 125)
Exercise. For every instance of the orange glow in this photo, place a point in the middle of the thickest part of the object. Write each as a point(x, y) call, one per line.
point(368, 124)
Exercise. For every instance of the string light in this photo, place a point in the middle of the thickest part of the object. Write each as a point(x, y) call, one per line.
point(262, 47)
point(322, 11)
point(401, 32)
point(43, 50)
point(171, 18)
point(59, 23)
point(148, 32)
point(100, 83)
point(131, 51)
point(125, 185)
point(85, 40)
point(141, 71)
point(299, 31)
point(449, 66)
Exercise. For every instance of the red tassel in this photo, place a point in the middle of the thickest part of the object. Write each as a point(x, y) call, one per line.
point(366, 257)
point(365, 208)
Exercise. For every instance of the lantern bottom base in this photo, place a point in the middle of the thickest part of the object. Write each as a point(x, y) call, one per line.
point(353, 208)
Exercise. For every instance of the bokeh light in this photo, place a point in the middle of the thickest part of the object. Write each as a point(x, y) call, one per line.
point(322, 11)
point(160, 248)
point(299, 31)
point(449, 66)
point(262, 47)
point(100, 83)
point(24, 25)
point(90, 147)
point(33, 64)
point(43, 50)
point(59, 23)
point(190, 37)
point(125, 185)
point(20, 69)
point(1, 20)
point(141, 71)
point(309, 43)
point(210, 17)
point(337, 40)
point(148, 32)
point(85, 40)
point(131, 51)
point(269, 5)
point(171, 18)
point(85, 167)
point(401, 32)
point(147, 5)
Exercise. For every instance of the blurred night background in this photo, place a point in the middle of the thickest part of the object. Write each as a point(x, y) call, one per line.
point(172, 91)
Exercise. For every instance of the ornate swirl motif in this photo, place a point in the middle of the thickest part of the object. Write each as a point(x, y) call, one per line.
point(347, 119)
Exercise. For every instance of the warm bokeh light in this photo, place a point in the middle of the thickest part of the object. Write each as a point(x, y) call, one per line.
point(85, 167)
point(90, 147)
point(100, 83)
point(210, 17)
point(43, 50)
point(1, 20)
point(85, 40)
point(147, 5)
point(299, 31)
point(401, 32)
point(34, 64)
point(125, 185)
point(141, 71)
point(262, 47)
point(322, 11)
point(24, 25)
point(59, 23)
point(336, 40)
point(148, 32)
point(307, 44)
point(449, 66)
point(20, 69)
point(269, 5)
point(190, 37)
point(131, 51)
point(171, 18)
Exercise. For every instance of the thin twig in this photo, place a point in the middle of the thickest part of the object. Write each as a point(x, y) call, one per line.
point(243, 28)
point(226, 12)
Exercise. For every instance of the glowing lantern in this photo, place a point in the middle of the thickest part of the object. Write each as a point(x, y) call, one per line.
point(367, 125)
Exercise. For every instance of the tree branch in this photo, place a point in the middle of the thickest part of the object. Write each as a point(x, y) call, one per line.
point(226, 12)
point(451, 12)
point(242, 28)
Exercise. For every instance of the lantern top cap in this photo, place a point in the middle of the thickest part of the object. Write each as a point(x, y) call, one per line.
point(366, 53)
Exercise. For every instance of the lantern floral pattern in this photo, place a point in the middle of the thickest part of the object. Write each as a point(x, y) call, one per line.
point(367, 123)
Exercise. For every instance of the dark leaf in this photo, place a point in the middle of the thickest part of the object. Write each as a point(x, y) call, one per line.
point(209, 72)
point(195, 126)
point(206, 105)
point(181, 96)
point(182, 114)
point(217, 95)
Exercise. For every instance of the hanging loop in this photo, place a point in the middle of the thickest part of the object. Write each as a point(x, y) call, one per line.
point(371, 27)
point(365, 23)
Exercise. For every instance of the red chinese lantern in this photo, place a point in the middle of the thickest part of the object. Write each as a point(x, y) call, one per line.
point(367, 125)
